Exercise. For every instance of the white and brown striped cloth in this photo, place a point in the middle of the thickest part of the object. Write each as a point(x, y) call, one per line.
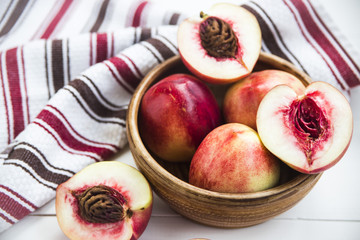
point(68, 70)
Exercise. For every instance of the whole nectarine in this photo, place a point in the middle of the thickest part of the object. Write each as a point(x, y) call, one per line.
point(175, 115)
point(242, 99)
point(233, 159)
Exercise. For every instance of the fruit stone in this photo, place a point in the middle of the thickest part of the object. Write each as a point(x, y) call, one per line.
point(175, 115)
point(232, 159)
point(242, 99)
point(221, 46)
point(105, 200)
point(309, 132)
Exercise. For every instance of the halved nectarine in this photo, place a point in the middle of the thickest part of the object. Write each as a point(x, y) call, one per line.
point(221, 46)
point(309, 132)
point(105, 200)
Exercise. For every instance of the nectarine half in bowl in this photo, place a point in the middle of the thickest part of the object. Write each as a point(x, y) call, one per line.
point(170, 180)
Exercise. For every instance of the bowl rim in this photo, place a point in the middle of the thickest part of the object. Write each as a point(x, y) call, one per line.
point(134, 136)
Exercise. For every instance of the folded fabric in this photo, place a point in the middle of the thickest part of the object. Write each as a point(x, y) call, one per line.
point(69, 68)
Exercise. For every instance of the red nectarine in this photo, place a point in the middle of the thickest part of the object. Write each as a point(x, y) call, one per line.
point(242, 99)
point(175, 115)
point(233, 159)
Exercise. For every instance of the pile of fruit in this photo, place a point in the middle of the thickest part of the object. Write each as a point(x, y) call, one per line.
point(265, 118)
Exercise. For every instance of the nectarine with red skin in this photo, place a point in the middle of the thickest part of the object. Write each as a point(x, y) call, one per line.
point(233, 159)
point(175, 115)
point(242, 99)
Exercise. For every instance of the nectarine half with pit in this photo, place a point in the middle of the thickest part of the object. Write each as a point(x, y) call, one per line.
point(233, 159)
point(221, 46)
point(105, 200)
point(310, 132)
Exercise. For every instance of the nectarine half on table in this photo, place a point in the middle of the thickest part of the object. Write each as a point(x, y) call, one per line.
point(105, 200)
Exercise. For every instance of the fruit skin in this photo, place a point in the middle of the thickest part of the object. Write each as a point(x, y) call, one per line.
point(175, 115)
point(242, 99)
point(123, 178)
point(232, 159)
point(221, 70)
point(309, 132)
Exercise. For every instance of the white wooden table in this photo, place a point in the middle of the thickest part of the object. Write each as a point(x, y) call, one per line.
point(330, 211)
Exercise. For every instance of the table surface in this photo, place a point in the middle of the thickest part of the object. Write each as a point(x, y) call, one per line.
point(330, 211)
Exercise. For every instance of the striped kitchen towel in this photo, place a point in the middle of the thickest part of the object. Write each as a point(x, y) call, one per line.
point(68, 70)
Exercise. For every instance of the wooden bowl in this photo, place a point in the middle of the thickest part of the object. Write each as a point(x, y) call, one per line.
point(226, 210)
